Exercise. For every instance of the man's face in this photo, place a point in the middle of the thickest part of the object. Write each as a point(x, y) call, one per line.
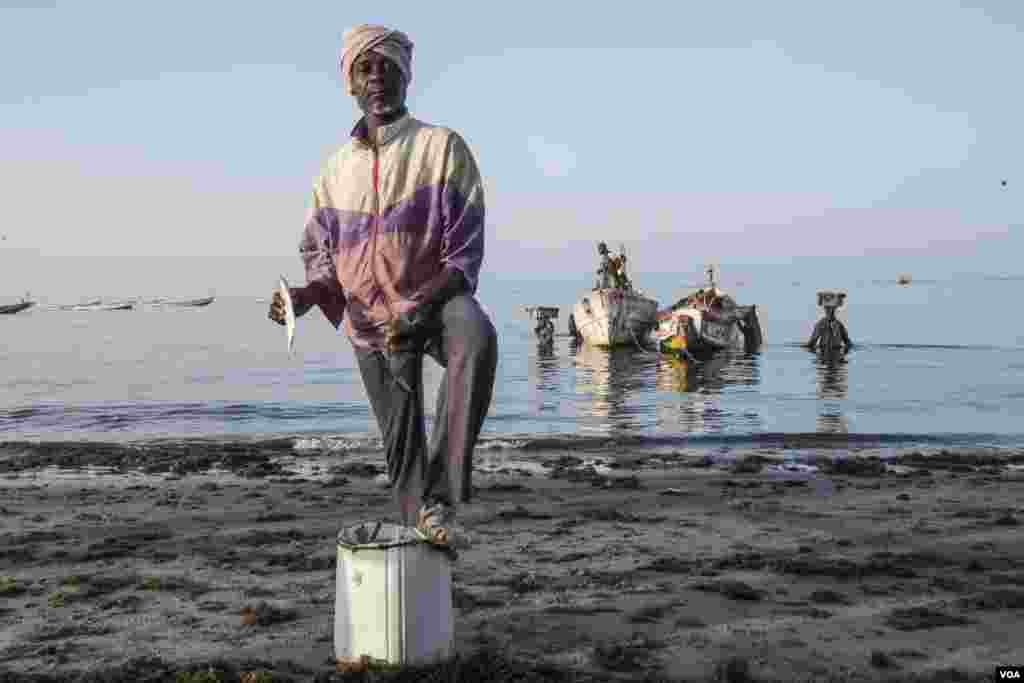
point(379, 85)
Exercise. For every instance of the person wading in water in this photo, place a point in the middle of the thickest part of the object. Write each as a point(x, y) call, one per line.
point(830, 334)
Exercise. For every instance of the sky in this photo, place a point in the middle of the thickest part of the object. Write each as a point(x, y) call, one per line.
point(168, 148)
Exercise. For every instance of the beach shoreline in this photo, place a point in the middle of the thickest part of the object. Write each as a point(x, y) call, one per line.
point(859, 569)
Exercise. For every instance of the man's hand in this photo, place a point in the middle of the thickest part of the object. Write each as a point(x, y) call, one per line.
point(396, 331)
point(299, 306)
point(410, 328)
point(277, 308)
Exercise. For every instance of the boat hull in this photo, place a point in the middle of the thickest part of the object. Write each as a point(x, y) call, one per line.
point(693, 330)
point(101, 307)
point(206, 301)
point(16, 308)
point(613, 317)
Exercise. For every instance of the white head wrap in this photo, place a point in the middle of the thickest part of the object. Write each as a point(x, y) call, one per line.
point(392, 44)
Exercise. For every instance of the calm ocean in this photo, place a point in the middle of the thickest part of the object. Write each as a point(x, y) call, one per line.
point(937, 362)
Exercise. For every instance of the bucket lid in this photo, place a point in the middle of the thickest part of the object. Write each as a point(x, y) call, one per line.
point(376, 535)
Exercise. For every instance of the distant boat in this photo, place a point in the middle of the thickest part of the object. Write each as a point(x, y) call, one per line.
point(82, 306)
point(903, 279)
point(100, 307)
point(204, 301)
point(16, 308)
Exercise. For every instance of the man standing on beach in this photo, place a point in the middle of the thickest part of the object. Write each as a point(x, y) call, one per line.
point(393, 247)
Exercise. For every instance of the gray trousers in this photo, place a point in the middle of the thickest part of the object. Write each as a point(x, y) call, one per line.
point(467, 347)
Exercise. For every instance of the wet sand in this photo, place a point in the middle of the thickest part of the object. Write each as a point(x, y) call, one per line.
point(657, 569)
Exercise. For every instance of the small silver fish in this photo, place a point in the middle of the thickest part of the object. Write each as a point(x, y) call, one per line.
point(289, 312)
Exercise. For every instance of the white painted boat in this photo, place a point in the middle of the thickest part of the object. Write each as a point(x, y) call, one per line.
point(123, 306)
point(613, 317)
point(203, 301)
point(84, 306)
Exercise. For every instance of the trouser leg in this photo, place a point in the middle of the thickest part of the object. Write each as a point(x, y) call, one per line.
point(468, 350)
point(399, 415)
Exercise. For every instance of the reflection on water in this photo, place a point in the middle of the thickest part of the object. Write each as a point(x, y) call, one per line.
point(710, 375)
point(545, 374)
point(832, 374)
point(629, 388)
point(579, 389)
point(698, 386)
point(613, 380)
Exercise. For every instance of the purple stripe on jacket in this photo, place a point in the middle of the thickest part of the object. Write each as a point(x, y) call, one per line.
point(463, 243)
point(382, 263)
point(317, 250)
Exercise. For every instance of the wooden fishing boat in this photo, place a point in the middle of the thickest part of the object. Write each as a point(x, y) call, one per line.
point(84, 306)
point(126, 306)
point(613, 317)
point(614, 313)
point(10, 309)
point(708, 320)
point(204, 301)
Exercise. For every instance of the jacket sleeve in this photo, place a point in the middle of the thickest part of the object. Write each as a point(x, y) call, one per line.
point(846, 337)
point(462, 211)
point(814, 335)
point(317, 247)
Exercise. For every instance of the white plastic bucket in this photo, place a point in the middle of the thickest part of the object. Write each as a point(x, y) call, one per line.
point(394, 597)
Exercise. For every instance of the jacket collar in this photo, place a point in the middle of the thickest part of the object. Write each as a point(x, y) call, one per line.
point(384, 134)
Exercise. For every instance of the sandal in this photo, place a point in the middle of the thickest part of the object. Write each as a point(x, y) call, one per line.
point(433, 524)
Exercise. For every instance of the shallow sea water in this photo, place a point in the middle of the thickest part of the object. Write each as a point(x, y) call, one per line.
point(936, 363)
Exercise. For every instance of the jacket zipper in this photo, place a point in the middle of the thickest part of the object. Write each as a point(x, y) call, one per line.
point(395, 374)
point(376, 231)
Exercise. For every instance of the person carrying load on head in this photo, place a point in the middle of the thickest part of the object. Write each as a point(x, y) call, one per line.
point(393, 247)
point(604, 270)
point(829, 333)
point(619, 272)
point(544, 329)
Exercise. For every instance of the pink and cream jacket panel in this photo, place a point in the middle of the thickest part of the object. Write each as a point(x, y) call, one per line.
point(385, 221)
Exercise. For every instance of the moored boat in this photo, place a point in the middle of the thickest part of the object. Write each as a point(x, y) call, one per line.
point(613, 317)
point(126, 306)
point(204, 301)
point(614, 313)
point(16, 308)
point(708, 320)
point(84, 306)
